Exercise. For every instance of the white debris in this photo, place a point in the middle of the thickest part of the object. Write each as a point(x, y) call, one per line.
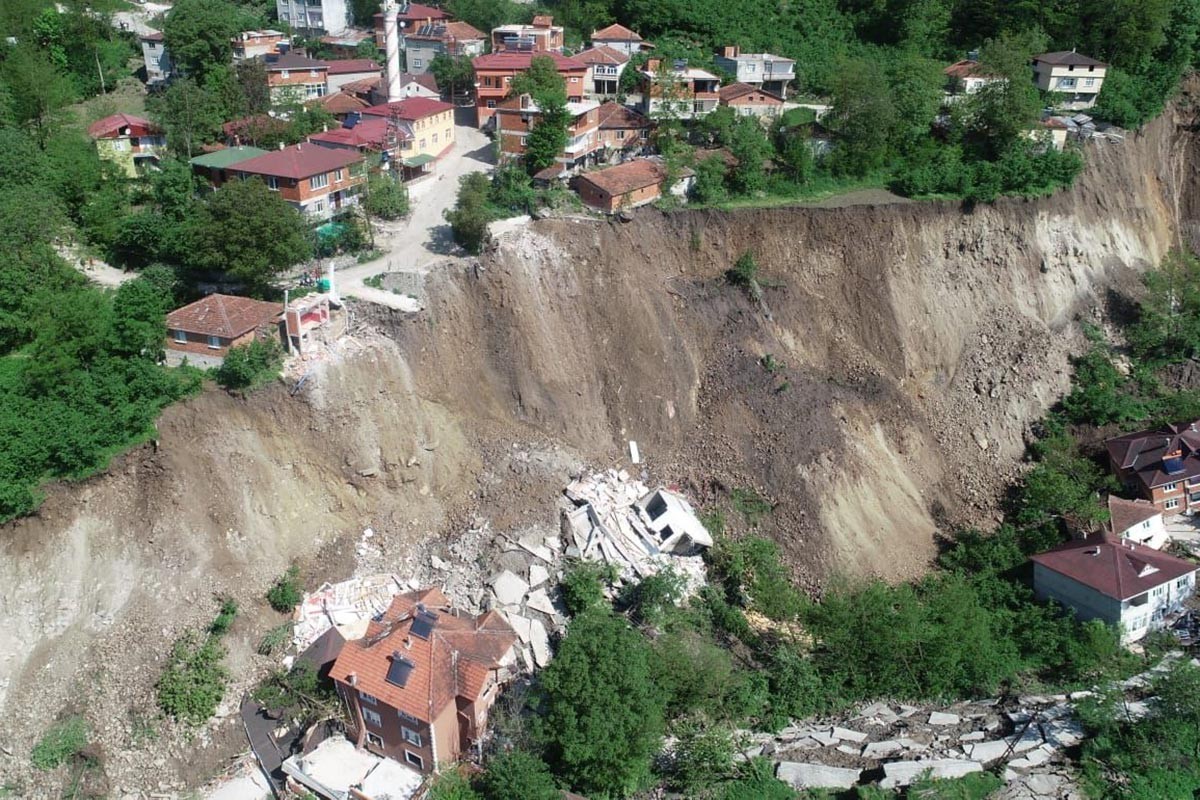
point(816, 776)
point(942, 718)
point(902, 773)
point(538, 600)
point(538, 575)
point(539, 640)
point(634, 455)
point(509, 588)
point(343, 604)
point(848, 735)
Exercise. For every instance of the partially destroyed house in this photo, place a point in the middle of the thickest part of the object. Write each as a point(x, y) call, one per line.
point(418, 687)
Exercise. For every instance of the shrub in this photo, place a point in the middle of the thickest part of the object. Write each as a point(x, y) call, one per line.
point(518, 774)
point(754, 568)
point(451, 785)
point(285, 594)
point(512, 189)
point(470, 216)
point(703, 757)
point(60, 743)
point(583, 585)
point(193, 682)
point(744, 272)
point(275, 640)
point(224, 618)
point(250, 366)
point(756, 781)
point(650, 598)
point(386, 198)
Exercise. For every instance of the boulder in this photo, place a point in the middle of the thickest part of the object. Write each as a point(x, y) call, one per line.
point(816, 776)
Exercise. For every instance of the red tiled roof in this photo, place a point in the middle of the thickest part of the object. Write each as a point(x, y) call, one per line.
point(628, 177)
point(247, 126)
point(363, 85)
point(348, 66)
point(543, 21)
point(418, 13)
point(446, 31)
point(410, 108)
point(371, 132)
point(112, 127)
point(1115, 568)
point(1144, 452)
point(617, 33)
point(966, 69)
point(614, 116)
point(739, 91)
point(293, 61)
point(340, 103)
point(512, 60)
point(601, 54)
point(223, 315)
point(454, 660)
point(152, 36)
point(298, 161)
point(1124, 514)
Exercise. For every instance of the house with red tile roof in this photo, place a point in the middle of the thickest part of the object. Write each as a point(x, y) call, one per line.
point(342, 71)
point(620, 38)
point(517, 116)
point(1161, 465)
point(605, 66)
point(447, 37)
point(432, 125)
point(391, 139)
point(408, 18)
point(1116, 581)
point(204, 331)
point(494, 72)
point(622, 128)
point(340, 104)
point(750, 101)
point(677, 90)
point(133, 143)
point(291, 76)
point(319, 182)
point(419, 685)
point(629, 185)
point(540, 36)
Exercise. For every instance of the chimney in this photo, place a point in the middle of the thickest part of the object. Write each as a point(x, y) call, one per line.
point(352, 679)
point(392, 49)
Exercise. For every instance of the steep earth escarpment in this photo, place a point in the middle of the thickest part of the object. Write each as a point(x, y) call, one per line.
point(911, 345)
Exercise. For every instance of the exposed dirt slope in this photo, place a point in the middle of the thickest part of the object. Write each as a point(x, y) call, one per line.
point(910, 336)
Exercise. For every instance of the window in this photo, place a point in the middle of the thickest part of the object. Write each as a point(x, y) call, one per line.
point(1170, 487)
point(318, 181)
point(408, 717)
point(574, 79)
point(284, 74)
point(422, 145)
point(414, 759)
point(368, 698)
point(372, 718)
point(523, 140)
point(317, 207)
point(1181, 583)
point(491, 103)
point(273, 183)
point(181, 336)
point(411, 736)
point(416, 62)
point(435, 138)
point(1066, 83)
point(1089, 82)
point(621, 134)
point(1173, 503)
point(337, 176)
point(214, 342)
point(751, 67)
point(312, 73)
point(374, 740)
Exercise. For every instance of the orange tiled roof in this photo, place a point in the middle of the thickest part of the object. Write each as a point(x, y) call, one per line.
point(224, 315)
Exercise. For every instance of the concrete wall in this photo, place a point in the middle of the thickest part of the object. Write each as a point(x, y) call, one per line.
point(1087, 603)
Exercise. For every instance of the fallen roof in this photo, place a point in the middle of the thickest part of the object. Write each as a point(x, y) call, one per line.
point(114, 125)
point(350, 66)
point(224, 315)
point(227, 157)
point(337, 767)
point(1116, 568)
point(1124, 514)
point(410, 108)
point(967, 68)
point(299, 161)
point(510, 60)
point(615, 33)
point(340, 103)
point(738, 91)
point(1068, 58)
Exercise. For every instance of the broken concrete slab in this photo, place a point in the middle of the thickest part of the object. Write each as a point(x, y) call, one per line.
point(882, 749)
point(847, 749)
point(538, 575)
point(538, 600)
point(986, 752)
point(847, 735)
point(509, 588)
point(539, 640)
point(1033, 758)
point(824, 738)
point(519, 624)
point(438, 563)
point(816, 776)
point(973, 736)
point(1030, 738)
point(942, 718)
point(902, 773)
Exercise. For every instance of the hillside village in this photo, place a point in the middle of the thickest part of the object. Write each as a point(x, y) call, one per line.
point(369, 151)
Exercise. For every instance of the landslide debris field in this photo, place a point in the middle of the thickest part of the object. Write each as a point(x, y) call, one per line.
point(883, 388)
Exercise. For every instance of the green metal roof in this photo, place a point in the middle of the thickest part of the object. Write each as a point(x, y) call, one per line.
point(417, 160)
point(220, 159)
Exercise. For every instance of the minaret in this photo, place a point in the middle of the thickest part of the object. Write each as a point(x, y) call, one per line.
point(392, 49)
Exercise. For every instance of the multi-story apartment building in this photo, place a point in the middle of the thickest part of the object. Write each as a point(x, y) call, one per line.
point(156, 58)
point(541, 36)
point(343, 71)
point(1160, 465)
point(762, 70)
point(431, 122)
point(494, 72)
point(255, 44)
point(677, 90)
point(419, 686)
point(319, 182)
point(409, 17)
point(1077, 78)
point(296, 77)
point(516, 116)
point(431, 38)
point(621, 39)
point(605, 66)
point(311, 18)
point(623, 129)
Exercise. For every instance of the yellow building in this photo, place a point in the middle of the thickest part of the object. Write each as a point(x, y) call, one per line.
point(431, 123)
point(133, 143)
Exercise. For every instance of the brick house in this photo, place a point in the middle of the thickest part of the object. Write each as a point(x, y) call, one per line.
point(340, 104)
point(419, 685)
point(431, 123)
point(391, 140)
point(295, 76)
point(132, 143)
point(516, 116)
point(622, 129)
point(629, 185)
point(678, 90)
point(750, 101)
point(494, 72)
point(540, 36)
point(605, 66)
point(444, 36)
point(621, 39)
point(214, 167)
point(319, 182)
point(1160, 465)
point(253, 44)
point(204, 331)
point(342, 71)
point(408, 18)
point(1118, 582)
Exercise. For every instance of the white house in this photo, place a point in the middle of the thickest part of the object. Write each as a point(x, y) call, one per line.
point(605, 66)
point(761, 70)
point(968, 77)
point(1076, 78)
point(310, 18)
point(674, 520)
point(1137, 520)
point(620, 38)
point(158, 60)
point(1116, 581)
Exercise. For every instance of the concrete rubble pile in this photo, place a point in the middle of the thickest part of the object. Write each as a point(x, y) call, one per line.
point(619, 520)
point(347, 604)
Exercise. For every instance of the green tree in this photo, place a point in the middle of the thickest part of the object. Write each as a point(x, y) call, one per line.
point(702, 759)
point(545, 142)
point(996, 117)
point(199, 34)
point(517, 775)
point(603, 718)
point(249, 366)
point(709, 187)
point(38, 90)
point(190, 115)
point(862, 117)
point(194, 681)
point(248, 232)
point(452, 72)
point(140, 319)
point(470, 216)
point(1168, 324)
point(751, 148)
point(386, 198)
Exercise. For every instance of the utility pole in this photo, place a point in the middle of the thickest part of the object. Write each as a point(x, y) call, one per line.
point(96, 52)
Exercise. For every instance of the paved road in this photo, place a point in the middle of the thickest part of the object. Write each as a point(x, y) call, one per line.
point(416, 243)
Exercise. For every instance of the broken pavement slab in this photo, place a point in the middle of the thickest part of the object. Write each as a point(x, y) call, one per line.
point(539, 640)
point(942, 718)
point(509, 588)
point(538, 575)
point(816, 776)
point(901, 773)
point(848, 735)
point(538, 600)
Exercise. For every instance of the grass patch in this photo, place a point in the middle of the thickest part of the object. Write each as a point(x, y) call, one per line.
point(193, 683)
point(285, 594)
point(220, 625)
point(750, 505)
point(60, 744)
point(375, 281)
point(275, 640)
